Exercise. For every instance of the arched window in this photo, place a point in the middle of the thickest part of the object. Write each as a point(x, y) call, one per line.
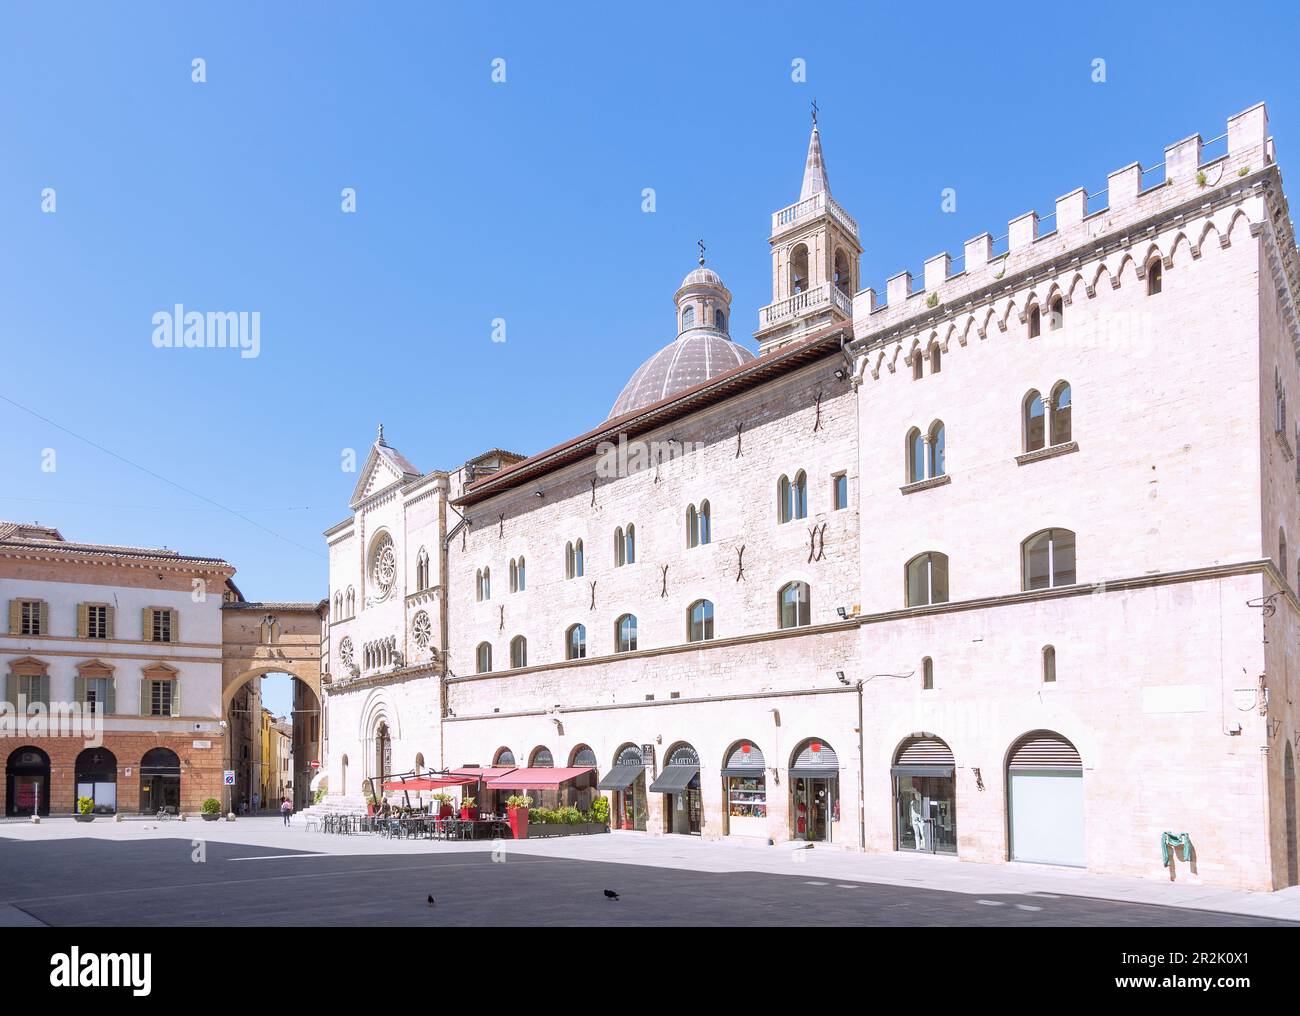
point(487, 583)
point(798, 270)
point(799, 495)
point(688, 318)
point(1035, 322)
point(483, 658)
point(338, 606)
point(1032, 412)
point(541, 758)
point(629, 544)
point(568, 560)
point(514, 576)
point(518, 651)
point(927, 579)
point(783, 499)
point(936, 358)
point(478, 584)
point(573, 560)
point(843, 275)
point(699, 621)
point(523, 583)
point(1049, 665)
point(1061, 413)
point(1049, 559)
point(918, 365)
point(422, 571)
point(1155, 271)
point(915, 456)
point(927, 673)
point(575, 642)
point(794, 605)
point(625, 634)
point(504, 757)
point(720, 320)
point(1056, 313)
point(577, 556)
point(706, 522)
point(692, 526)
point(352, 602)
point(938, 461)
point(619, 559)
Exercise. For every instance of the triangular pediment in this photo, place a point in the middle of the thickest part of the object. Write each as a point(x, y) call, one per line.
point(383, 468)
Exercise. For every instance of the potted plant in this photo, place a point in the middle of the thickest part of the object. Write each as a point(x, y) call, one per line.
point(468, 808)
point(445, 809)
point(517, 806)
point(85, 809)
point(370, 800)
point(210, 810)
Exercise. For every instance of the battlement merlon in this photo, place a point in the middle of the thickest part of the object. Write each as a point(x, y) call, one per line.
point(1249, 148)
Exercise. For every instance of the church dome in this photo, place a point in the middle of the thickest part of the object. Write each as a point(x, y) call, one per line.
point(691, 359)
point(703, 348)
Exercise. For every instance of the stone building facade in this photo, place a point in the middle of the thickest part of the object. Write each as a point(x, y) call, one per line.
point(939, 607)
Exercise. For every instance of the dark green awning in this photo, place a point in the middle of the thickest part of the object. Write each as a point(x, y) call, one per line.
point(620, 777)
point(674, 779)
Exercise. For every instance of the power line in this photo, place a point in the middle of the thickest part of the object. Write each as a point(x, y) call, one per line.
point(158, 476)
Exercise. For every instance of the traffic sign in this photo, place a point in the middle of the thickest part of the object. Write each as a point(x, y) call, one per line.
point(229, 778)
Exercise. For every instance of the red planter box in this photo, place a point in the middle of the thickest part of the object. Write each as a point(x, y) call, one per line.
point(446, 811)
point(518, 822)
point(468, 814)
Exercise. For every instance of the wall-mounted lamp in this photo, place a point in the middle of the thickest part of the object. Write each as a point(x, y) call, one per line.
point(842, 612)
point(539, 492)
point(840, 375)
point(839, 674)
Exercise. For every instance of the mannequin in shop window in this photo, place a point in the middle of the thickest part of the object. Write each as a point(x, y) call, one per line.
point(918, 821)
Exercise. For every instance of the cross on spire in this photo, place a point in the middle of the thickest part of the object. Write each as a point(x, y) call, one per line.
point(814, 111)
point(700, 243)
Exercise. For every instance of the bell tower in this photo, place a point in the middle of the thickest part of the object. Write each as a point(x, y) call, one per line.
point(815, 254)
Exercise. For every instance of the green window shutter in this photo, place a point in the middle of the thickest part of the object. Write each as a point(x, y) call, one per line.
point(146, 624)
point(110, 629)
point(45, 618)
point(83, 620)
point(176, 625)
point(11, 689)
point(15, 616)
point(79, 695)
point(44, 692)
point(110, 698)
point(144, 696)
point(176, 697)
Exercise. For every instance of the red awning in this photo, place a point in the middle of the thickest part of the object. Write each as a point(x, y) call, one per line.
point(426, 783)
point(476, 773)
point(536, 779)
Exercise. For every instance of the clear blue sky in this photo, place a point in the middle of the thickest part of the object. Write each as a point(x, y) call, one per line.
point(478, 201)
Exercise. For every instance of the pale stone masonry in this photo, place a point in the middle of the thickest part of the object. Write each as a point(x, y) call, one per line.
point(1066, 709)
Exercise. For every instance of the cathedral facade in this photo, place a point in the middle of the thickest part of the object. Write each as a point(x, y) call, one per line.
point(879, 585)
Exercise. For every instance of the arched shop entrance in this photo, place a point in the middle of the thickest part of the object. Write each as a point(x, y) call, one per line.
point(925, 796)
point(96, 774)
point(680, 784)
point(627, 781)
point(160, 782)
point(744, 788)
point(27, 783)
point(814, 791)
point(1045, 800)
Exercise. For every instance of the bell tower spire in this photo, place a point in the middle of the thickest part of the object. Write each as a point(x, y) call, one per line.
point(815, 253)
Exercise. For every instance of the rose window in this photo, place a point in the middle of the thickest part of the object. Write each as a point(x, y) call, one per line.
point(384, 566)
point(422, 629)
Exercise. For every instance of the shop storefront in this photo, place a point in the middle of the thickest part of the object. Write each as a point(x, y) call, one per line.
point(160, 782)
point(814, 791)
point(96, 774)
point(680, 784)
point(627, 782)
point(27, 779)
point(925, 796)
point(744, 788)
point(1045, 800)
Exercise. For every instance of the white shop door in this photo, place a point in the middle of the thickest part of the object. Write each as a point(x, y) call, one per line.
point(1045, 801)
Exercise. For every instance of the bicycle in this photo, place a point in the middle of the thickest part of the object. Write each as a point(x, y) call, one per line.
point(164, 814)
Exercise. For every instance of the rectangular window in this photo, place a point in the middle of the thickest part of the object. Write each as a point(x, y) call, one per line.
point(161, 626)
point(30, 618)
point(29, 687)
point(160, 698)
point(840, 491)
point(96, 622)
point(97, 694)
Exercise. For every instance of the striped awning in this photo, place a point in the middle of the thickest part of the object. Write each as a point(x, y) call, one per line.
point(924, 755)
point(817, 759)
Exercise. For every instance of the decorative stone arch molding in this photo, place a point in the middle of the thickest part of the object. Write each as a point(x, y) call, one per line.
point(246, 651)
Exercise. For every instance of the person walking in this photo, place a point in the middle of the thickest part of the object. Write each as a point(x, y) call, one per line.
point(286, 809)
